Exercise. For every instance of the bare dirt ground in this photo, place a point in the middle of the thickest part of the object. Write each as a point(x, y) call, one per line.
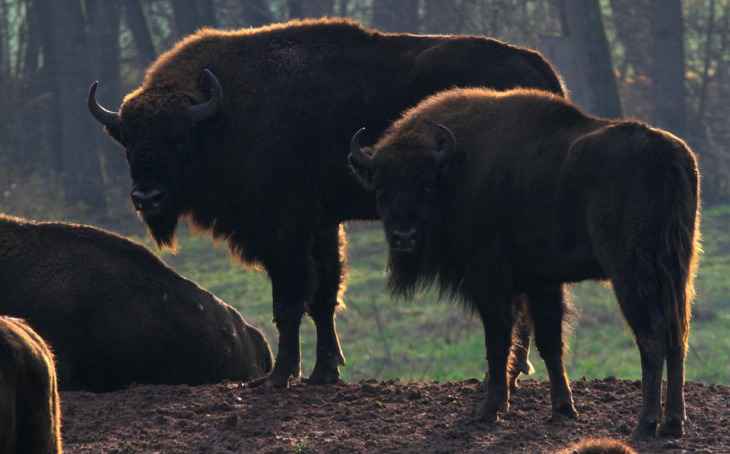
point(371, 417)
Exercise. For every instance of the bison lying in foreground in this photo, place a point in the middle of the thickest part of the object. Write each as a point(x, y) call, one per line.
point(495, 193)
point(256, 153)
point(30, 412)
point(115, 314)
point(598, 446)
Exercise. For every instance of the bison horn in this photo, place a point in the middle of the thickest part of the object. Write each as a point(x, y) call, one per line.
point(446, 140)
point(203, 111)
point(104, 116)
point(356, 152)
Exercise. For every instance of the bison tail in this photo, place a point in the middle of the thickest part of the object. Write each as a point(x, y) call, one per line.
point(680, 249)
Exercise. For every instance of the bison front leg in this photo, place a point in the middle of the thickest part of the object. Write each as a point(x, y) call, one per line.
point(497, 318)
point(291, 284)
point(329, 256)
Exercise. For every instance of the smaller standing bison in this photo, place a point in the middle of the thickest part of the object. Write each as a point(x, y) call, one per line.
point(493, 194)
point(115, 314)
point(30, 412)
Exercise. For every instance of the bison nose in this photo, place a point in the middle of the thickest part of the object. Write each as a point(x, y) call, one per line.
point(403, 240)
point(149, 200)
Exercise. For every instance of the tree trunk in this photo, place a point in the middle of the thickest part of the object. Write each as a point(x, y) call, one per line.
point(310, 8)
point(4, 48)
point(702, 103)
point(632, 21)
point(256, 12)
point(206, 13)
point(401, 16)
point(442, 16)
point(135, 19)
point(32, 44)
point(586, 39)
point(668, 70)
point(104, 20)
point(66, 53)
point(186, 17)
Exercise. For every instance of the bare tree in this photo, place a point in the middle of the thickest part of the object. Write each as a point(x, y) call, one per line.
point(310, 8)
point(256, 12)
point(590, 73)
point(4, 48)
point(442, 16)
point(135, 20)
point(708, 57)
point(401, 16)
point(670, 110)
point(190, 15)
point(67, 59)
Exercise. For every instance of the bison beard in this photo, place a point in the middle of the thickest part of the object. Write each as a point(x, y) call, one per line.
point(268, 145)
point(548, 195)
point(162, 227)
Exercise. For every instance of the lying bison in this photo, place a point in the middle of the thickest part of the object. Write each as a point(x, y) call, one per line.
point(30, 412)
point(115, 314)
point(244, 133)
point(491, 194)
point(598, 446)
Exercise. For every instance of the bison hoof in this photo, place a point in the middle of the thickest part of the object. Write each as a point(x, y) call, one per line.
point(273, 380)
point(672, 428)
point(523, 366)
point(488, 411)
point(324, 376)
point(645, 429)
point(564, 412)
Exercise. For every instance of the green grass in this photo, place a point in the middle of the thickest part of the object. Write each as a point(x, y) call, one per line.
point(428, 339)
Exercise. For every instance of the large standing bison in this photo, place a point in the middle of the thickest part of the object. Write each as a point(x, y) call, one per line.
point(495, 193)
point(115, 314)
point(245, 134)
point(30, 412)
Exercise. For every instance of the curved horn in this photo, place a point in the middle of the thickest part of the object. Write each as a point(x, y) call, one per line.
point(104, 116)
point(446, 143)
point(203, 111)
point(356, 152)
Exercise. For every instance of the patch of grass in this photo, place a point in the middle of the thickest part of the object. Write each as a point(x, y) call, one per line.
point(428, 339)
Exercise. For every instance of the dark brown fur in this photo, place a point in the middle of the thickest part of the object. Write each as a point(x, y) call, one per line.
point(268, 173)
point(115, 314)
point(30, 410)
point(533, 194)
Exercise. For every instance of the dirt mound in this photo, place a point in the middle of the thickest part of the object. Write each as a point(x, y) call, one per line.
point(370, 417)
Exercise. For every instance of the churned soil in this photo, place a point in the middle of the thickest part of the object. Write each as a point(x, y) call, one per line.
point(371, 417)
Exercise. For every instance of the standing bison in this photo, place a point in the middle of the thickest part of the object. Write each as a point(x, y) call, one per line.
point(491, 194)
point(244, 133)
point(30, 412)
point(115, 314)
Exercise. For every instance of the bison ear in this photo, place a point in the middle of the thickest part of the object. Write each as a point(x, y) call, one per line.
point(445, 151)
point(361, 161)
point(362, 166)
point(115, 133)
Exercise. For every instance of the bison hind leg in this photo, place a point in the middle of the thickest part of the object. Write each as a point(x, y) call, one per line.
point(650, 331)
point(548, 309)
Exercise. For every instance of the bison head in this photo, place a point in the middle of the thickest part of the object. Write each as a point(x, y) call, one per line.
point(407, 171)
point(157, 127)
